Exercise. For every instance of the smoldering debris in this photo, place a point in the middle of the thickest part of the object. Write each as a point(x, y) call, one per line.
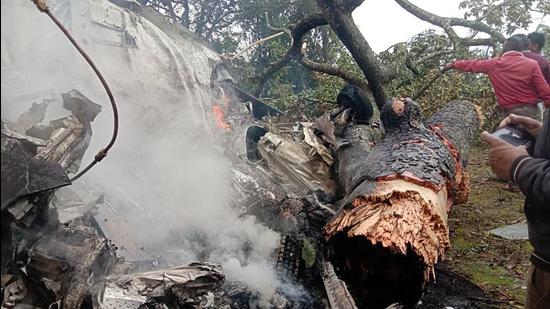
point(186, 283)
point(203, 172)
point(70, 251)
point(42, 259)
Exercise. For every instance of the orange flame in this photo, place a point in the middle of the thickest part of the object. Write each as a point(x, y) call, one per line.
point(220, 117)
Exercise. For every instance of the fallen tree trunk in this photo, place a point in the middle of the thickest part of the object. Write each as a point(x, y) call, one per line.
point(392, 228)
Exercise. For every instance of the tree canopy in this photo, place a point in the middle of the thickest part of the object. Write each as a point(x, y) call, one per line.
point(319, 47)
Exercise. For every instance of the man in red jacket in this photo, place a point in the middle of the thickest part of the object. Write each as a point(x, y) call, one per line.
point(517, 80)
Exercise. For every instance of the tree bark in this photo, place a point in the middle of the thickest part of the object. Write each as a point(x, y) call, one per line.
point(392, 229)
point(334, 71)
point(297, 33)
point(446, 23)
point(338, 16)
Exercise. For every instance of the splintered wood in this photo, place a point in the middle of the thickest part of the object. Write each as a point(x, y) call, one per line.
point(392, 228)
point(399, 214)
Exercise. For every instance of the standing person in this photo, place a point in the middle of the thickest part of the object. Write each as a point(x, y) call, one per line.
point(532, 175)
point(517, 81)
point(535, 41)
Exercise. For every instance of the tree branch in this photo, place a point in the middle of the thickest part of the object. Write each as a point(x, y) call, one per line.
point(297, 33)
point(340, 19)
point(448, 22)
point(334, 71)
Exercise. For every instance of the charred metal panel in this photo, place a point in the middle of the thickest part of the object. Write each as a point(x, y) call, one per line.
point(23, 175)
point(71, 261)
point(336, 289)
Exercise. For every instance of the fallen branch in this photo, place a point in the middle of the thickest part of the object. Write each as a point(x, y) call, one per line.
point(338, 16)
point(392, 229)
point(429, 83)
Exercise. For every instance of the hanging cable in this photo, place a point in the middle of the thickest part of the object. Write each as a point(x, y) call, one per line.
point(43, 7)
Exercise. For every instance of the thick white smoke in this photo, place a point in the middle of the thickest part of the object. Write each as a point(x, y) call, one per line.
point(167, 185)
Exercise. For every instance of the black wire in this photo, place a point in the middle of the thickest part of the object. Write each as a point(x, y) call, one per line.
point(103, 152)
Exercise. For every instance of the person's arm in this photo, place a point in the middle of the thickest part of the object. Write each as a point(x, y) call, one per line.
point(475, 66)
point(532, 175)
point(541, 86)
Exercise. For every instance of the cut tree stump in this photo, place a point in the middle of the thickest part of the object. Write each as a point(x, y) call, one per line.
point(392, 228)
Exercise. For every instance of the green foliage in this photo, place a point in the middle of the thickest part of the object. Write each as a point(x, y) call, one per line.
point(239, 23)
point(506, 16)
point(452, 85)
point(308, 253)
point(321, 96)
point(546, 30)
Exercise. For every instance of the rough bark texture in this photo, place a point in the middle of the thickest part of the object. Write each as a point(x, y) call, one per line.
point(362, 139)
point(459, 123)
point(333, 70)
point(338, 16)
point(392, 228)
point(297, 33)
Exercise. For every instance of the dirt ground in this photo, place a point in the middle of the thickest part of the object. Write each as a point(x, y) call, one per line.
point(497, 265)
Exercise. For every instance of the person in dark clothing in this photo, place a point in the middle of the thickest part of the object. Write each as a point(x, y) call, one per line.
point(532, 50)
point(536, 42)
point(355, 98)
point(532, 175)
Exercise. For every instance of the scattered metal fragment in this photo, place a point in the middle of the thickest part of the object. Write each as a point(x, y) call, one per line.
point(337, 291)
point(23, 175)
point(295, 156)
point(70, 259)
point(516, 231)
point(174, 285)
point(289, 257)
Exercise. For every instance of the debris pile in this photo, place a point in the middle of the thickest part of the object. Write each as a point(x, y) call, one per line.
point(358, 197)
point(42, 259)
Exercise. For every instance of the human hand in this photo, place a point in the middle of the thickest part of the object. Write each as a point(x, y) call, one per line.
point(447, 67)
point(502, 155)
point(529, 124)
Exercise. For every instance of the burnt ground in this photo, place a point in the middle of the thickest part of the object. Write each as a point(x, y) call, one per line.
point(478, 260)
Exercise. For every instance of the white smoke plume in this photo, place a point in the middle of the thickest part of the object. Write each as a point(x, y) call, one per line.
point(167, 184)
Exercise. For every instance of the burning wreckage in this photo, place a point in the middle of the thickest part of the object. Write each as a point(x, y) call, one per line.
point(360, 200)
point(369, 201)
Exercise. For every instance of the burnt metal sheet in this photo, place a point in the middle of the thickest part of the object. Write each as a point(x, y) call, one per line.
point(23, 175)
point(296, 165)
point(337, 292)
point(158, 283)
point(259, 108)
point(83, 108)
point(70, 262)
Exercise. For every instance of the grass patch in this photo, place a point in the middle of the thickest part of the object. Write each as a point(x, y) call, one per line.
point(495, 263)
point(488, 276)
